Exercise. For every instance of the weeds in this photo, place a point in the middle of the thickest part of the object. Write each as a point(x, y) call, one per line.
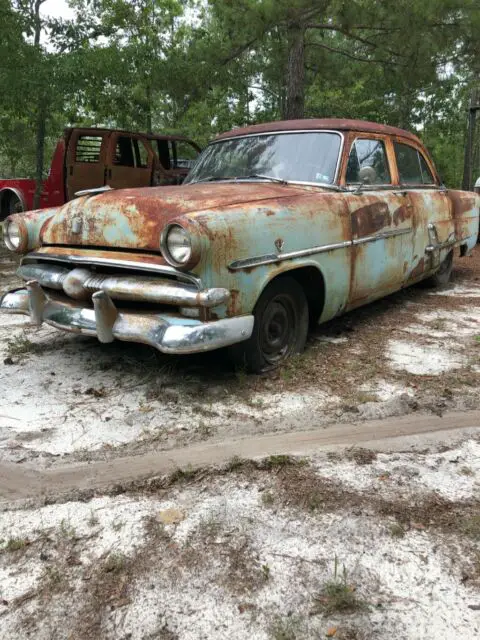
point(285, 629)
point(20, 346)
point(15, 544)
point(114, 563)
point(471, 527)
point(66, 529)
point(397, 531)
point(337, 595)
point(268, 498)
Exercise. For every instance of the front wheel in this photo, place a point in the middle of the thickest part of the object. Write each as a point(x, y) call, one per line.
point(280, 328)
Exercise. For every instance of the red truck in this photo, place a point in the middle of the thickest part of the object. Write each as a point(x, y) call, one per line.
point(86, 158)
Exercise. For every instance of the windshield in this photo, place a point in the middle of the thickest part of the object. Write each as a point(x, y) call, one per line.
point(294, 157)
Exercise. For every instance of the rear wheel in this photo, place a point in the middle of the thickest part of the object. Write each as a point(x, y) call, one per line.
point(444, 273)
point(280, 328)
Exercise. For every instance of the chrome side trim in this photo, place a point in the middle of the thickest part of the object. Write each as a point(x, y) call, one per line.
point(382, 236)
point(163, 331)
point(280, 257)
point(112, 262)
point(272, 258)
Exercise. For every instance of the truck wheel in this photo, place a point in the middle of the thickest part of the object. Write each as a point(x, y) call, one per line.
point(444, 273)
point(280, 328)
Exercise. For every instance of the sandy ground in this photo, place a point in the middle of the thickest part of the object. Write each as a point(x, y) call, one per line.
point(350, 545)
point(381, 542)
point(64, 395)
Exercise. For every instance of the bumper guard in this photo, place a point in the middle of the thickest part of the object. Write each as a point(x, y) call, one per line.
point(166, 332)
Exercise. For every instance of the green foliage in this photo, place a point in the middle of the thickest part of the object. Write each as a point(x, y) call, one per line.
point(200, 67)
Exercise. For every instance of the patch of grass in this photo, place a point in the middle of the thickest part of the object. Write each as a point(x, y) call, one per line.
point(66, 529)
point(337, 595)
point(93, 519)
point(204, 430)
point(363, 397)
point(361, 456)
point(439, 324)
point(182, 474)
point(285, 628)
point(117, 525)
point(397, 531)
point(268, 498)
point(114, 563)
point(465, 471)
point(15, 544)
point(471, 527)
point(21, 346)
point(234, 464)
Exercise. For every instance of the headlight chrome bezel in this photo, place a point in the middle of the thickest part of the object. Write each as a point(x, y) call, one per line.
point(195, 248)
point(22, 234)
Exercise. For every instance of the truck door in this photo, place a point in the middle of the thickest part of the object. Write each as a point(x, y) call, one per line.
point(130, 161)
point(381, 219)
point(85, 161)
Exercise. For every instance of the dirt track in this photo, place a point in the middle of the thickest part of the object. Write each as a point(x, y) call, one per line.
point(26, 482)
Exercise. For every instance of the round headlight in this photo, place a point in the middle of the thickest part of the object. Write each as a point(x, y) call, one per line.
point(178, 245)
point(12, 235)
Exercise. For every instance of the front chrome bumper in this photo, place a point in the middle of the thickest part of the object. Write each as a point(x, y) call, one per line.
point(168, 332)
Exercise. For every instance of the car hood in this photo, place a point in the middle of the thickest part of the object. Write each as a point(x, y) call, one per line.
point(134, 218)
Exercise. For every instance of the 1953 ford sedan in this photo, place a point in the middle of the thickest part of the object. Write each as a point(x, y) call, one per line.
point(277, 225)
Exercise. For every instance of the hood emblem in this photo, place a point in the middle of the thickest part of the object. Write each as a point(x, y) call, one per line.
point(279, 244)
point(76, 225)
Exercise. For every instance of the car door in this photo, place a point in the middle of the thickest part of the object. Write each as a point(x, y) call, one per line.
point(381, 220)
point(85, 160)
point(431, 206)
point(130, 161)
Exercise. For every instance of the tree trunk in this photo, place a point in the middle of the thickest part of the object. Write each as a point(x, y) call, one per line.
point(149, 107)
point(468, 161)
point(295, 80)
point(40, 148)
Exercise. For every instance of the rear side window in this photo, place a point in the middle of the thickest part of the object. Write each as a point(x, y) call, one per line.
point(130, 152)
point(185, 154)
point(368, 163)
point(412, 167)
point(88, 149)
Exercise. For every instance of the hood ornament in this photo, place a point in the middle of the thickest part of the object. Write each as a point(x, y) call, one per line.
point(93, 191)
point(76, 225)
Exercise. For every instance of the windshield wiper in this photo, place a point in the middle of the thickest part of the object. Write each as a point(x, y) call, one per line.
point(214, 179)
point(262, 176)
point(254, 176)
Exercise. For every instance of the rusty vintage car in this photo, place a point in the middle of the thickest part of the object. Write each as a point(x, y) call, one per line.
point(276, 226)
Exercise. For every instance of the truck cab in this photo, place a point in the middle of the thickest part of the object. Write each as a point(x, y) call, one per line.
point(86, 158)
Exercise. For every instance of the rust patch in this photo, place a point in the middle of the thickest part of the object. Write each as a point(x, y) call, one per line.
point(417, 271)
point(232, 309)
point(270, 212)
point(370, 219)
point(401, 214)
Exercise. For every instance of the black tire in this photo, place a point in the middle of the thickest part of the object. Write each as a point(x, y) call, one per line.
point(280, 328)
point(443, 275)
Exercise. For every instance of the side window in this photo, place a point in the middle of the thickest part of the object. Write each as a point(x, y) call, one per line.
point(368, 162)
point(185, 154)
point(412, 166)
point(427, 177)
point(164, 153)
point(88, 149)
point(408, 164)
point(124, 152)
point(141, 154)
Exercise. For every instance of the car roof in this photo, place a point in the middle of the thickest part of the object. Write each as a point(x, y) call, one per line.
point(336, 124)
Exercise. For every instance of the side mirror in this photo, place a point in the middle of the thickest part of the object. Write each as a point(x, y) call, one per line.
point(367, 175)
